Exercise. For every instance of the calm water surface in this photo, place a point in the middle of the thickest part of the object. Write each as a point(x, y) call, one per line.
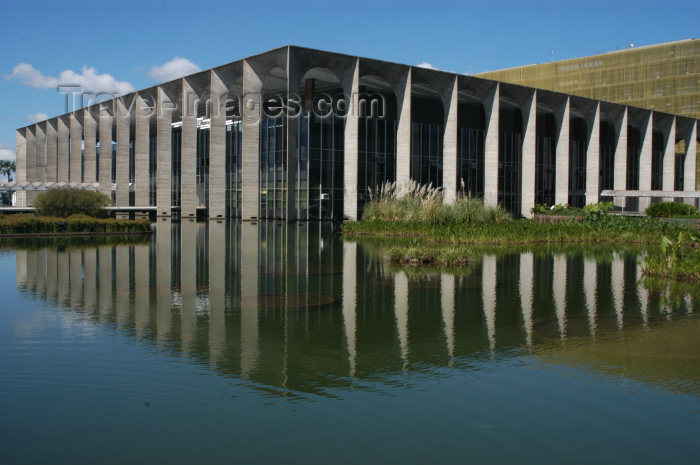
point(266, 343)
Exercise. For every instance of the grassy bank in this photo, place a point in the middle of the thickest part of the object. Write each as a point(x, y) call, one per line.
point(32, 224)
point(446, 233)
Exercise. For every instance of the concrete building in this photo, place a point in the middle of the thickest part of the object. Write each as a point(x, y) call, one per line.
point(661, 77)
point(301, 134)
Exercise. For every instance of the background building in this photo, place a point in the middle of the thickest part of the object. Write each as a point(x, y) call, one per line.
point(663, 77)
point(296, 133)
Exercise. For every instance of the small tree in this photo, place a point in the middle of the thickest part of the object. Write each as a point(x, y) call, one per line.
point(65, 202)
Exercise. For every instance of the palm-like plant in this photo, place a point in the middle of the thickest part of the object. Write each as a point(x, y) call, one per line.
point(7, 167)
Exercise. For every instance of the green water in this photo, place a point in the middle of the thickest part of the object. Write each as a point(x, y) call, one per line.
point(268, 343)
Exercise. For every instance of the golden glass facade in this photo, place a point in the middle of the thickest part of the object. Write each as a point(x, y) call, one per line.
point(663, 77)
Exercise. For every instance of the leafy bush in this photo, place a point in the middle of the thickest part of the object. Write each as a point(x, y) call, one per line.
point(670, 209)
point(65, 202)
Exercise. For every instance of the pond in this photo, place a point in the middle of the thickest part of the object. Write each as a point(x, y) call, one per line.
point(269, 343)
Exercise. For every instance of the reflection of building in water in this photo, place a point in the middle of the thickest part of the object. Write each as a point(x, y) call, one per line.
point(296, 309)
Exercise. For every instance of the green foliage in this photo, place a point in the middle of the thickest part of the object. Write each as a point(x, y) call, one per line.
point(597, 209)
point(676, 262)
point(65, 202)
point(7, 167)
point(31, 224)
point(670, 210)
point(423, 204)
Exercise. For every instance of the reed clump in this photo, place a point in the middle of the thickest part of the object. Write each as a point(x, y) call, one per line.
point(424, 204)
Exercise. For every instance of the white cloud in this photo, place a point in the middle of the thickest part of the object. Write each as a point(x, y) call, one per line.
point(88, 79)
point(36, 117)
point(175, 68)
point(6, 153)
point(426, 65)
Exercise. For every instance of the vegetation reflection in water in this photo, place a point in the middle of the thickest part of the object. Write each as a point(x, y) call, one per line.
point(295, 309)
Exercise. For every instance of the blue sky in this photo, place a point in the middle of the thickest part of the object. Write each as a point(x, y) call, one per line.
point(130, 44)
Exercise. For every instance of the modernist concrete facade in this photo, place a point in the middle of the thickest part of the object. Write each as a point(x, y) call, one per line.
point(300, 134)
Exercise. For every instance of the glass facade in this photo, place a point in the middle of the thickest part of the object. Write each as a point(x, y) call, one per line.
point(426, 153)
point(175, 165)
point(273, 167)
point(320, 168)
point(202, 173)
point(545, 169)
point(376, 162)
point(233, 168)
point(633, 154)
point(114, 170)
point(510, 172)
point(470, 162)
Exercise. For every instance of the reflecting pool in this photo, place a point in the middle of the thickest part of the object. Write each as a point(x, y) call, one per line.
point(269, 343)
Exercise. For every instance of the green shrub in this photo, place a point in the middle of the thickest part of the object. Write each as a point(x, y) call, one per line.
point(670, 209)
point(30, 224)
point(65, 202)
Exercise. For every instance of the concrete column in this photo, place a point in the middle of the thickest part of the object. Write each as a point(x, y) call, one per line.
point(561, 173)
point(51, 149)
point(488, 292)
point(105, 293)
point(593, 155)
point(105, 178)
point(123, 281)
point(643, 293)
point(164, 130)
point(294, 76)
point(63, 285)
point(217, 148)
point(447, 305)
point(401, 314)
point(90, 270)
point(349, 278)
point(90, 152)
point(449, 145)
point(217, 289)
point(31, 270)
point(164, 302)
point(31, 162)
point(123, 117)
point(526, 284)
point(351, 148)
point(620, 169)
point(188, 283)
point(617, 282)
point(76, 148)
point(21, 268)
point(250, 260)
point(142, 175)
point(51, 275)
point(403, 129)
point(250, 168)
point(76, 279)
point(529, 112)
point(142, 289)
point(21, 164)
point(41, 273)
point(590, 278)
point(647, 130)
point(689, 167)
point(492, 108)
point(63, 161)
point(669, 163)
point(559, 291)
point(40, 170)
point(188, 164)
